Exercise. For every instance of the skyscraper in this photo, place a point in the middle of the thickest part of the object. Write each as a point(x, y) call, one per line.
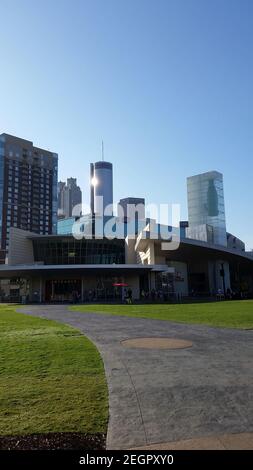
point(206, 207)
point(101, 185)
point(69, 195)
point(131, 211)
point(133, 203)
point(60, 199)
point(28, 189)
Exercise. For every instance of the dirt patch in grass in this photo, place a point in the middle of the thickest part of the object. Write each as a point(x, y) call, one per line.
point(54, 441)
point(156, 343)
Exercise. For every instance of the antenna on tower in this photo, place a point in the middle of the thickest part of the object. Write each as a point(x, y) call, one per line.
point(102, 150)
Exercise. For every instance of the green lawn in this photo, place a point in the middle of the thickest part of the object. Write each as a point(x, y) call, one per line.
point(229, 314)
point(51, 378)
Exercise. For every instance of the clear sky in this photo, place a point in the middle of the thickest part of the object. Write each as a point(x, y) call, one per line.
point(167, 84)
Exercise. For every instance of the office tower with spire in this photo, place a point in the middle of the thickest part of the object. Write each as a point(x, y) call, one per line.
point(101, 184)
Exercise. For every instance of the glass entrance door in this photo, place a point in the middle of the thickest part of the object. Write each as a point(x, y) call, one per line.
point(63, 290)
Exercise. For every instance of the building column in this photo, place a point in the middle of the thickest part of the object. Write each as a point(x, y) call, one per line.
point(219, 279)
point(152, 280)
point(151, 252)
point(41, 294)
point(82, 289)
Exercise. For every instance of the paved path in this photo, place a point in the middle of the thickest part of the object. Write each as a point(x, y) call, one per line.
point(159, 396)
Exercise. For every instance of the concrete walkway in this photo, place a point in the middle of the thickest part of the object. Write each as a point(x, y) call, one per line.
point(159, 396)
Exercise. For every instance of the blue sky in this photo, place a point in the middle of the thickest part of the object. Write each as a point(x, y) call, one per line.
point(167, 84)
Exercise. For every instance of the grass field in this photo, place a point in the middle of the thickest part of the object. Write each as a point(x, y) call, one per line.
point(228, 314)
point(51, 378)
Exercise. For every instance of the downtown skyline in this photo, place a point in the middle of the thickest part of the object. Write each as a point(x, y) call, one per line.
point(166, 85)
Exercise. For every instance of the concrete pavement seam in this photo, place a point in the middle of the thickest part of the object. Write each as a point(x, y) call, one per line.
point(138, 401)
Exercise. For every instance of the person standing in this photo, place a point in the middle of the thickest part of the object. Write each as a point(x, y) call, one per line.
point(129, 292)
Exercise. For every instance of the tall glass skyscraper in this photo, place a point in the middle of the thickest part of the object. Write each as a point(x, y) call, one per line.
point(206, 205)
point(101, 181)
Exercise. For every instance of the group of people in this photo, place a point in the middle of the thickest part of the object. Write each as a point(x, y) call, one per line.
point(157, 296)
point(230, 295)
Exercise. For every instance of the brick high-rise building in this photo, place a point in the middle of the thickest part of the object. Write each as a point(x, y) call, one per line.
point(28, 189)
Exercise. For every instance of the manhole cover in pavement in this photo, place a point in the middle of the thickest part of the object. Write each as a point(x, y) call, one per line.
point(156, 343)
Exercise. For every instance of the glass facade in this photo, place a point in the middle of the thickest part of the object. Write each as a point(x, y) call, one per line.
point(164, 284)
point(64, 226)
point(88, 226)
point(206, 204)
point(68, 250)
point(101, 185)
point(70, 290)
point(14, 290)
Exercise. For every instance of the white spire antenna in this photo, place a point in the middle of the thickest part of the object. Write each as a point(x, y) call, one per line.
point(102, 150)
